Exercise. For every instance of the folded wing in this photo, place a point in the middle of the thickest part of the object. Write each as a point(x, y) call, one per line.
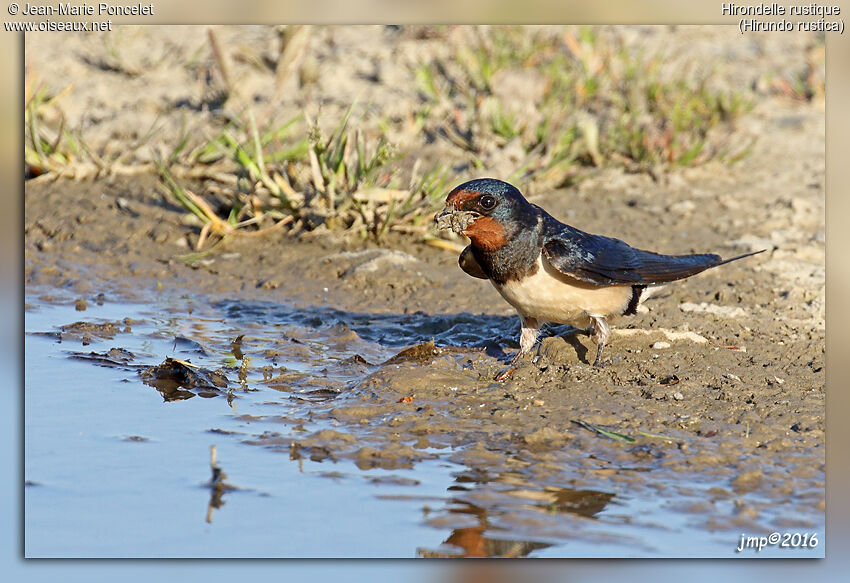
point(606, 261)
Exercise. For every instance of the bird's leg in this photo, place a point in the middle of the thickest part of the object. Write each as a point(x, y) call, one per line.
point(527, 338)
point(601, 331)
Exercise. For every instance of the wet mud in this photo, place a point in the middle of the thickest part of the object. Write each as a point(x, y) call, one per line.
point(710, 409)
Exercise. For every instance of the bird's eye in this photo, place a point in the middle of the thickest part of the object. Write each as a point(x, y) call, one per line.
point(487, 202)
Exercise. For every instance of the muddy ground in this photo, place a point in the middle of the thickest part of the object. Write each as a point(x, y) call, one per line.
point(727, 365)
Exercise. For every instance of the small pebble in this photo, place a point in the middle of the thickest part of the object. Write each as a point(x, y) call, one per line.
point(660, 345)
point(678, 396)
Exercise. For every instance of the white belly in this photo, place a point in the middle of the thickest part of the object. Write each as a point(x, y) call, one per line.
point(550, 296)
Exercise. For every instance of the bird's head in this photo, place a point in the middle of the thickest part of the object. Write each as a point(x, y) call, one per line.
point(486, 210)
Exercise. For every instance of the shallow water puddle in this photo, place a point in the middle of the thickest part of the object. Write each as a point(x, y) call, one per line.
point(338, 439)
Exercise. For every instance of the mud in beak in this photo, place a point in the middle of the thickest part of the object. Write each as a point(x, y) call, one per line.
point(457, 221)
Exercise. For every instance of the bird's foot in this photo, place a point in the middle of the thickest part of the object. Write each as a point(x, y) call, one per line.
point(512, 366)
point(530, 330)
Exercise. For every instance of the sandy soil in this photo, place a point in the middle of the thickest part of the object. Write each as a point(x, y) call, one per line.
point(728, 364)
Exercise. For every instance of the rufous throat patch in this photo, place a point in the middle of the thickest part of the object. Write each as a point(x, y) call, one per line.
point(487, 233)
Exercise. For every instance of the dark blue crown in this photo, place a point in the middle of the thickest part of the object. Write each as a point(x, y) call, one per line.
point(489, 186)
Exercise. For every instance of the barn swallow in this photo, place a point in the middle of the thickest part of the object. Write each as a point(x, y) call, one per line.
point(552, 272)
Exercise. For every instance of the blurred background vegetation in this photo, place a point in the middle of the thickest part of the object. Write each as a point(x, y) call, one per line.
point(365, 129)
